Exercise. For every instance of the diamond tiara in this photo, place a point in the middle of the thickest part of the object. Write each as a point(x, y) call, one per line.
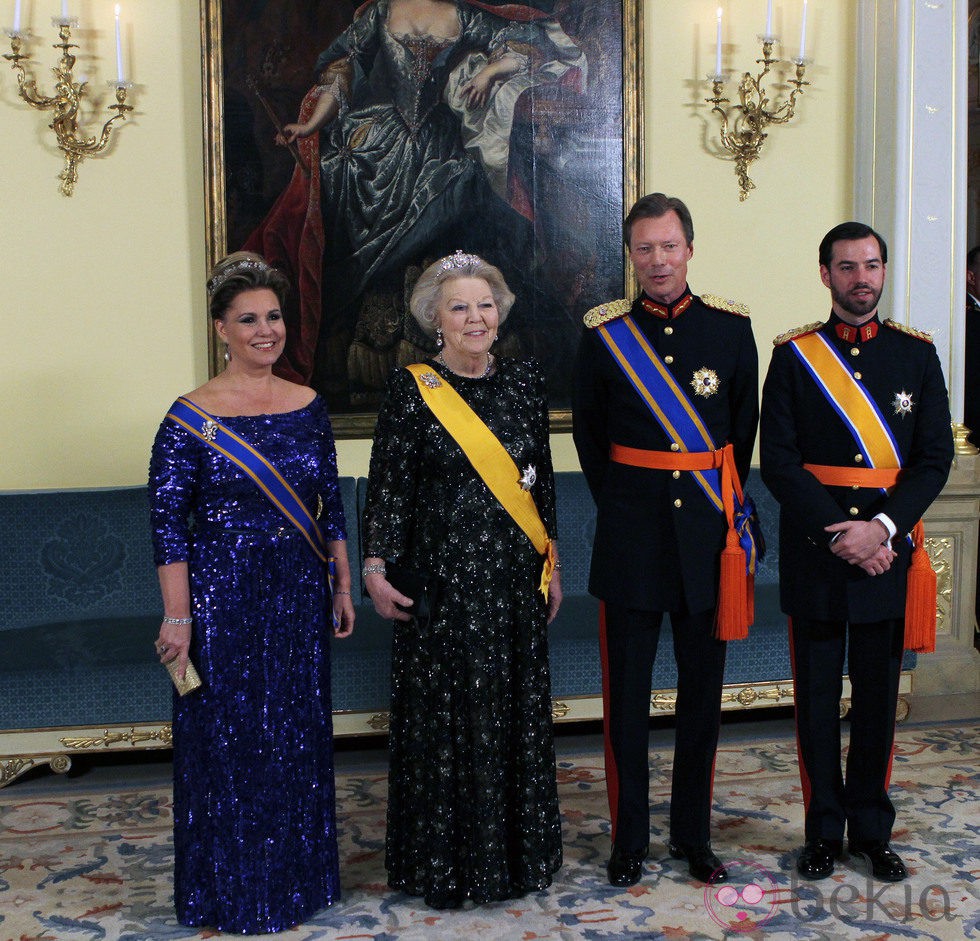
point(244, 265)
point(459, 259)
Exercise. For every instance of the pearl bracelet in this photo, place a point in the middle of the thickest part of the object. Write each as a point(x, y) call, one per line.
point(168, 620)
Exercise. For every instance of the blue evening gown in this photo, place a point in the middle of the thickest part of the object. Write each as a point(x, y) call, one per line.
point(254, 827)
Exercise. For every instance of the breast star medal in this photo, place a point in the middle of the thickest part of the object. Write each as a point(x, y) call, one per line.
point(705, 382)
point(528, 476)
point(902, 403)
point(209, 430)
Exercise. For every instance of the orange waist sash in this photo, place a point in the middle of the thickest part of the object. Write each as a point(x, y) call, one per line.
point(871, 477)
point(666, 460)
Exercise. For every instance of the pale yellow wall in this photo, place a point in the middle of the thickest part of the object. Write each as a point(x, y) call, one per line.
point(102, 324)
point(104, 310)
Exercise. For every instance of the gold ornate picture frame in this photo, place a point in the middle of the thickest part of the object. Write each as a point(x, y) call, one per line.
point(544, 199)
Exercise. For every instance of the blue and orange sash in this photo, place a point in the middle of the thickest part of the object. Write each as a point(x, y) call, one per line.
point(872, 435)
point(677, 415)
point(209, 429)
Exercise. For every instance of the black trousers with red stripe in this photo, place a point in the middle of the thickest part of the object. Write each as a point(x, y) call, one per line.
point(629, 641)
point(858, 800)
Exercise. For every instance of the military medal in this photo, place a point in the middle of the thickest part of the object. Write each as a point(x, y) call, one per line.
point(528, 477)
point(705, 382)
point(902, 403)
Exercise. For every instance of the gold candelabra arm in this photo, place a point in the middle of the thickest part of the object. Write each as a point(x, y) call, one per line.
point(26, 84)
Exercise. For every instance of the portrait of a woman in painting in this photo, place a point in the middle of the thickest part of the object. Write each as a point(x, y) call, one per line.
point(424, 126)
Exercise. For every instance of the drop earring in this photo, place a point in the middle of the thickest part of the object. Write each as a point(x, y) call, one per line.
point(439, 340)
point(227, 354)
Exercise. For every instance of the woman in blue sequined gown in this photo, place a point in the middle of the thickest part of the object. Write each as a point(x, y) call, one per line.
point(472, 795)
point(255, 842)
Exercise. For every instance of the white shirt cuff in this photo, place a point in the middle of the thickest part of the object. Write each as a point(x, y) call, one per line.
point(886, 521)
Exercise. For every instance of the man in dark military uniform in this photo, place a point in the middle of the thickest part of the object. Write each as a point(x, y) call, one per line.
point(845, 404)
point(658, 536)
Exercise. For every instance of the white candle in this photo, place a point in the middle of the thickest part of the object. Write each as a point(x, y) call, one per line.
point(803, 34)
point(17, 17)
point(120, 78)
point(64, 9)
point(769, 19)
point(718, 46)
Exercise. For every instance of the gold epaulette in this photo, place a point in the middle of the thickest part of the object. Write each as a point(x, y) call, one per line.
point(606, 312)
point(729, 306)
point(911, 331)
point(796, 332)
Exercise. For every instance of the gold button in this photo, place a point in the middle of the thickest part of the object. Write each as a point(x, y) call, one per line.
point(855, 351)
point(668, 330)
point(675, 446)
point(855, 487)
point(854, 511)
point(857, 376)
point(858, 458)
point(676, 475)
point(668, 359)
point(678, 503)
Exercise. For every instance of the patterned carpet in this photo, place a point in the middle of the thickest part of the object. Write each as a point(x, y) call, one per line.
point(82, 863)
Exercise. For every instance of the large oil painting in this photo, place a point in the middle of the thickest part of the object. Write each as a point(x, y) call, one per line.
point(354, 143)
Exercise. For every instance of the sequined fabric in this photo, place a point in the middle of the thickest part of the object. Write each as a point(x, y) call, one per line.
point(472, 801)
point(254, 829)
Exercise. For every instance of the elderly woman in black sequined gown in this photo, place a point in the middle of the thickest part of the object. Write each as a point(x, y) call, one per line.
point(473, 805)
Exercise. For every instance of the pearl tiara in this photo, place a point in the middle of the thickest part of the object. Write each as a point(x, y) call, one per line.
point(246, 264)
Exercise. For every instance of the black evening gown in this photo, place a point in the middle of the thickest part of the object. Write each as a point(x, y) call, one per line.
point(472, 801)
point(255, 844)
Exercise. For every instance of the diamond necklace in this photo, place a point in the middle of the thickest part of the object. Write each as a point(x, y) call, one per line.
point(486, 372)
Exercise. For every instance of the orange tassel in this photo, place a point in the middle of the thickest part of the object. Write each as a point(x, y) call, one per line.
point(920, 600)
point(749, 600)
point(732, 604)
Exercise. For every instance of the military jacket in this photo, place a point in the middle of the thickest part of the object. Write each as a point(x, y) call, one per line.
point(901, 371)
point(658, 539)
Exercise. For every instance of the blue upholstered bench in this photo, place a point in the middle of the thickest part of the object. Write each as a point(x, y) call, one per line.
point(80, 608)
point(79, 611)
point(757, 671)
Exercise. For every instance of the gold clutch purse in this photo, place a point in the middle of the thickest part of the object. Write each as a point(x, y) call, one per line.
point(191, 680)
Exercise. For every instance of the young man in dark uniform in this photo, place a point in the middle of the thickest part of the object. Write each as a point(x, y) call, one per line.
point(658, 534)
point(855, 443)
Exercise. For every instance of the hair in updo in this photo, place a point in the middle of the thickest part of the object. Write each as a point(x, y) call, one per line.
point(424, 303)
point(238, 272)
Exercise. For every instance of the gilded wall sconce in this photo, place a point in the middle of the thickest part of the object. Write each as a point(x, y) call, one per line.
point(744, 125)
point(69, 94)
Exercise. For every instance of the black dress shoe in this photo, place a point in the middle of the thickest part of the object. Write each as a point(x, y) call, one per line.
point(883, 862)
point(701, 862)
point(626, 866)
point(817, 858)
